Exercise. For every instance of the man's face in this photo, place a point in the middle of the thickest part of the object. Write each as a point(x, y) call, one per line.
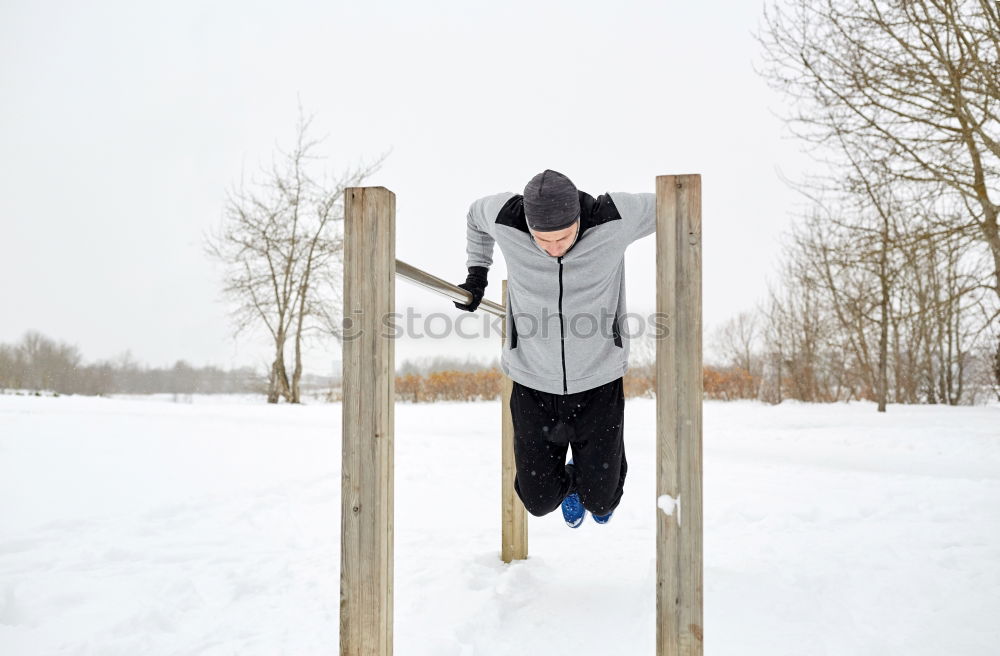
point(557, 242)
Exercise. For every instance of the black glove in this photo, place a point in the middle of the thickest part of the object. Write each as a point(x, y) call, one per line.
point(475, 284)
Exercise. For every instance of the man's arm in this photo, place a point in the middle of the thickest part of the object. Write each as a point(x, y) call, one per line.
point(638, 212)
point(479, 247)
point(479, 242)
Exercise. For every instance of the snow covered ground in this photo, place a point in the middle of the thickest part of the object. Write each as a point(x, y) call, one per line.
point(143, 527)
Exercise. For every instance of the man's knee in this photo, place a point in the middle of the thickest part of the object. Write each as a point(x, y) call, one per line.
point(599, 506)
point(538, 502)
point(541, 508)
point(599, 501)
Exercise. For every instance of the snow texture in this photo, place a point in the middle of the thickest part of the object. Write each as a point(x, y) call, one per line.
point(140, 526)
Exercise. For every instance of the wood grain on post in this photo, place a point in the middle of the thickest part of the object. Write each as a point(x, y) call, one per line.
point(366, 512)
point(514, 518)
point(679, 573)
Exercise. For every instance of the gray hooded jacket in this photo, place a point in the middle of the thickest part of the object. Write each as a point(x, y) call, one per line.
point(563, 330)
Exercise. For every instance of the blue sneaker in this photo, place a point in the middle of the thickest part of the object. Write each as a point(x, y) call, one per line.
point(572, 508)
point(602, 519)
point(573, 511)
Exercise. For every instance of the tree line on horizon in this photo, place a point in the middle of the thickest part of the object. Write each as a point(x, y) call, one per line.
point(41, 364)
point(38, 364)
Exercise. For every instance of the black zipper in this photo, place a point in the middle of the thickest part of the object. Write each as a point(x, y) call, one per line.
point(562, 329)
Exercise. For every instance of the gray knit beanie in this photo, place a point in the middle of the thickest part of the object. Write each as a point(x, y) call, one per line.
point(551, 202)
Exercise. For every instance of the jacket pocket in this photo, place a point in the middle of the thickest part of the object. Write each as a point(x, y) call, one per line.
point(614, 331)
point(513, 326)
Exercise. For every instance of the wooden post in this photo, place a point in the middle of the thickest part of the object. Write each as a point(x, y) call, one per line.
point(513, 518)
point(679, 627)
point(366, 532)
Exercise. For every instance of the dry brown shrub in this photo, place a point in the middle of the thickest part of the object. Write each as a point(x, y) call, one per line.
point(729, 383)
point(639, 382)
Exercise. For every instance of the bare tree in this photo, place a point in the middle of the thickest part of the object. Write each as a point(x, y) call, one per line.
point(944, 305)
point(871, 303)
point(996, 367)
point(849, 252)
point(775, 329)
point(912, 83)
point(281, 242)
point(50, 365)
point(738, 342)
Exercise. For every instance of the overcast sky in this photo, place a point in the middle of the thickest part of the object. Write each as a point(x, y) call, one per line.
point(122, 124)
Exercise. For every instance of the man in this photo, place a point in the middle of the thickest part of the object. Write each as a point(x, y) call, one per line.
point(564, 351)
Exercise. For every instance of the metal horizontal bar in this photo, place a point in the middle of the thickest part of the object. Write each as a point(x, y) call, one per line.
point(435, 284)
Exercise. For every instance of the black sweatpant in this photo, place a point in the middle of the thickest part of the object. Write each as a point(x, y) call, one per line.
point(546, 425)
